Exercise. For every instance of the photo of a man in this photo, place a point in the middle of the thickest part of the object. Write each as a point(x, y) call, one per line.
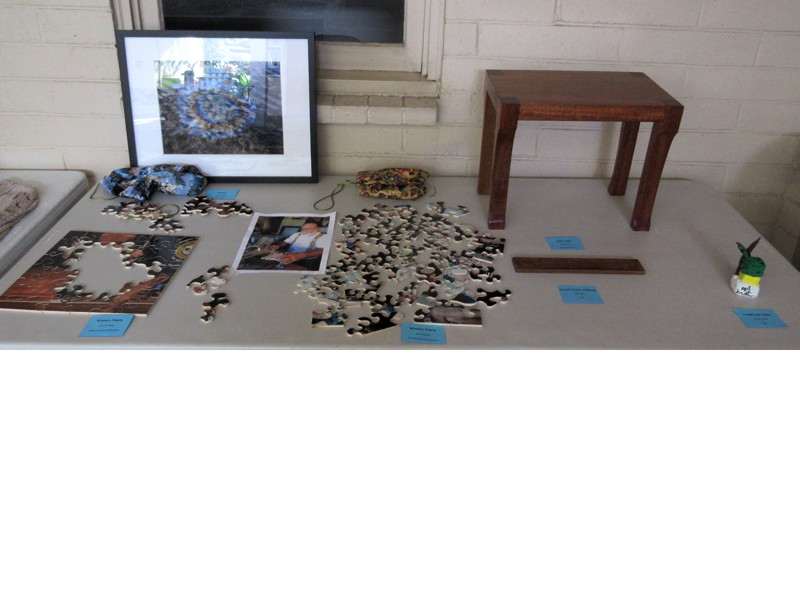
point(286, 243)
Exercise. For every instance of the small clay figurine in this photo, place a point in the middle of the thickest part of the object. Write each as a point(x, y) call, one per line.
point(746, 281)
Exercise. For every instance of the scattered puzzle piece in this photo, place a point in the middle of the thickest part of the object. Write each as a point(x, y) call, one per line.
point(204, 206)
point(210, 281)
point(492, 297)
point(161, 217)
point(210, 307)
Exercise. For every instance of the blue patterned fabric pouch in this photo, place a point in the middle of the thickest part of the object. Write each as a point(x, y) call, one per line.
point(139, 183)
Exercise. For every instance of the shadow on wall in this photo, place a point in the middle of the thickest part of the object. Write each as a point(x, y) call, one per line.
point(791, 208)
point(759, 189)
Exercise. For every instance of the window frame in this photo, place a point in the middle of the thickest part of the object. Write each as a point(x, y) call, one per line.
point(421, 51)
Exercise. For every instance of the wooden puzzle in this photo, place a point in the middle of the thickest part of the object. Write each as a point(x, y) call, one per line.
point(208, 283)
point(162, 216)
point(399, 264)
point(53, 283)
point(210, 307)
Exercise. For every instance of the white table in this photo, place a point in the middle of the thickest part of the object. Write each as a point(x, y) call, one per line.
point(58, 191)
point(682, 302)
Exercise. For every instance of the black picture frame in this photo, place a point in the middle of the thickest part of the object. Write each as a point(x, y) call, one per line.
point(241, 106)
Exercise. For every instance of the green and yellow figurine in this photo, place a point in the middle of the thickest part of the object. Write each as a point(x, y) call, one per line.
point(747, 279)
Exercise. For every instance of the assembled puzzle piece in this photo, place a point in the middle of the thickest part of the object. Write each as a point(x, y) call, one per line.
point(464, 299)
point(375, 322)
point(483, 273)
point(328, 319)
point(492, 297)
point(159, 218)
point(449, 315)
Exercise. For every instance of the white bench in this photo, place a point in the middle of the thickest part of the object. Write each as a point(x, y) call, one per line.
point(58, 191)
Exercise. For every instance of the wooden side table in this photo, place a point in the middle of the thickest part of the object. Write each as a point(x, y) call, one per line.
point(631, 98)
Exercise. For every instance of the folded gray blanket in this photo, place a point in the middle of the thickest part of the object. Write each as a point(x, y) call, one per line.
point(16, 201)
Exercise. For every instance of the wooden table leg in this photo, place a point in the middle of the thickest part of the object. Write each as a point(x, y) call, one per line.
point(501, 169)
point(487, 146)
point(660, 140)
point(622, 166)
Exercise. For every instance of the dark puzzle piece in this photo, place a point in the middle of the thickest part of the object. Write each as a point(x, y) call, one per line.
point(165, 224)
point(489, 246)
point(492, 297)
point(211, 280)
point(483, 273)
point(449, 315)
point(225, 209)
point(199, 204)
point(210, 307)
point(375, 322)
point(464, 299)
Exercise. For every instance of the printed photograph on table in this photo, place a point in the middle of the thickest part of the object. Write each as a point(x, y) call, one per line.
point(239, 105)
point(293, 243)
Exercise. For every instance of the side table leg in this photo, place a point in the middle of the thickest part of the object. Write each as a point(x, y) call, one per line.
point(622, 166)
point(660, 140)
point(487, 146)
point(501, 170)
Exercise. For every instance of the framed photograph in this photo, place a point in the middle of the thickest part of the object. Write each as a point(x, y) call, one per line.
point(241, 106)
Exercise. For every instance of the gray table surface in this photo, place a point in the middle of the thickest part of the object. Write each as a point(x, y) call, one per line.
point(683, 301)
point(57, 190)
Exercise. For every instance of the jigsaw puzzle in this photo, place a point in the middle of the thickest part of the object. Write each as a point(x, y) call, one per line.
point(203, 205)
point(402, 264)
point(162, 216)
point(210, 307)
point(208, 283)
point(53, 282)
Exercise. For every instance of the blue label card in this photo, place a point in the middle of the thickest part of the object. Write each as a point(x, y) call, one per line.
point(759, 318)
point(579, 294)
point(422, 333)
point(221, 194)
point(565, 243)
point(107, 326)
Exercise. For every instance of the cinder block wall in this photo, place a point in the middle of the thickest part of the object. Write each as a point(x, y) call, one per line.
point(733, 63)
point(60, 104)
point(788, 223)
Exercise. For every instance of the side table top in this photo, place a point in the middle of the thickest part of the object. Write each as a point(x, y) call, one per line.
point(572, 90)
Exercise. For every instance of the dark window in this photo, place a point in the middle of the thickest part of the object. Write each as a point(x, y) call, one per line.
point(364, 21)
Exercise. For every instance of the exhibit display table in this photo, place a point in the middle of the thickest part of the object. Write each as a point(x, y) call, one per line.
point(57, 192)
point(682, 301)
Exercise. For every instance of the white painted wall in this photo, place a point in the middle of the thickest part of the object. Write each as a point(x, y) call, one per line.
point(733, 63)
point(60, 96)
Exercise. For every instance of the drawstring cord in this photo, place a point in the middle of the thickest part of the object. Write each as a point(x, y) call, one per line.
point(339, 187)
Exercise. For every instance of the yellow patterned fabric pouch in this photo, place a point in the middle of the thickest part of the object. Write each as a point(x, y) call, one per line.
point(394, 183)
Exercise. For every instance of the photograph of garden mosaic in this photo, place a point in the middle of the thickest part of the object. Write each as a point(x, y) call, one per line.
point(220, 107)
